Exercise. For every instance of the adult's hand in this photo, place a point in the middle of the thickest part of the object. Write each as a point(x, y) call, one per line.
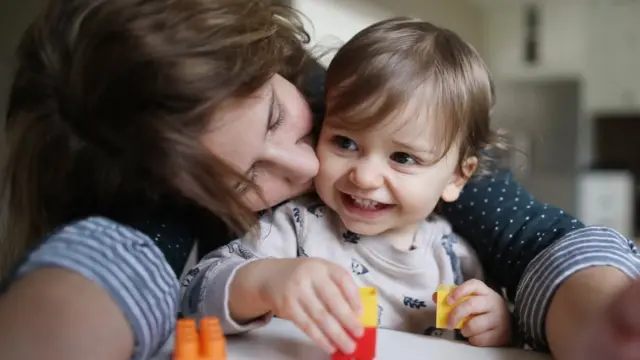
point(614, 334)
point(578, 311)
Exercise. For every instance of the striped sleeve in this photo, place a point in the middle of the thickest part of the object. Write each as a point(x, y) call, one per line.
point(124, 262)
point(580, 249)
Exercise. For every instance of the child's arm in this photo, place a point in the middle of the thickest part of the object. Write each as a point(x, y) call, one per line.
point(207, 286)
point(243, 263)
point(250, 279)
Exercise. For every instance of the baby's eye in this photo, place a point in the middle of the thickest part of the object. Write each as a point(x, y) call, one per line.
point(403, 158)
point(345, 143)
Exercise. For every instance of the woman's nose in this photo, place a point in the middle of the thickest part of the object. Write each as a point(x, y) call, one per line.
point(297, 164)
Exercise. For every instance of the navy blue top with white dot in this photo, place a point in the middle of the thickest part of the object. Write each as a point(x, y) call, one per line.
point(506, 225)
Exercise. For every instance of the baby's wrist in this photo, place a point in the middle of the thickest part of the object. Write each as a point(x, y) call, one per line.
point(246, 296)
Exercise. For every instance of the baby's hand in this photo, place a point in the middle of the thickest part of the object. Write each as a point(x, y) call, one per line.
point(489, 322)
point(319, 296)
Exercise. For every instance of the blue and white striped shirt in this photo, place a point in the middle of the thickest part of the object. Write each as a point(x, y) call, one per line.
point(128, 265)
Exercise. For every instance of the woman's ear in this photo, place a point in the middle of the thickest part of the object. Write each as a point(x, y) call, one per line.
point(452, 191)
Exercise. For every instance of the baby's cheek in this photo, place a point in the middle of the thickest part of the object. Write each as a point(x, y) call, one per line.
point(419, 207)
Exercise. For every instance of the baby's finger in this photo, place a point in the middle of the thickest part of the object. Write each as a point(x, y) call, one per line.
point(489, 338)
point(475, 305)
point(338, 306)
point(477, 325)
point(309, 327)
point(329, 326)
point(470, 287)
point(348, 287)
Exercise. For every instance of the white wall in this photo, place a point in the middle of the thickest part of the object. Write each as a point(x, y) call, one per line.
point(332, 22)
point(465, 17)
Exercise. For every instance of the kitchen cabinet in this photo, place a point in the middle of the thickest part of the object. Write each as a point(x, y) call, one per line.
point(613, 62)
point(594, 41)
point(560, 38)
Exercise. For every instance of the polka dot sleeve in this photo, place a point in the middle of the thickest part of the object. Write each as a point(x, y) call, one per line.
point(506, 226)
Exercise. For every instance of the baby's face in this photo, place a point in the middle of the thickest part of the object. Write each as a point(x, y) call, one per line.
point(385, 180)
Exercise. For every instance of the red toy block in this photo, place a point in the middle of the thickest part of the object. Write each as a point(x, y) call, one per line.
point(365, 347)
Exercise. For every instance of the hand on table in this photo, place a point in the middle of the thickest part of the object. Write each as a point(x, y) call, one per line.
point(318, 296)
point(489, 322)
point(615, 333)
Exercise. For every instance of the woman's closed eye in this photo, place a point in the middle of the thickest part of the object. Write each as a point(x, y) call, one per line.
point(276, 119)
point(276, 116)
point(345, 143)
point(403, 158)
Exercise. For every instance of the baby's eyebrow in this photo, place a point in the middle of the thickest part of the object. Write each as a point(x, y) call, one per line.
point(413, 147)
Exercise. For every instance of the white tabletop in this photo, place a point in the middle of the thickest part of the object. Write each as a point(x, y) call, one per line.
point(281, 340)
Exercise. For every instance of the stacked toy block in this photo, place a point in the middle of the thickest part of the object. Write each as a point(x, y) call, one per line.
point(206, 344)
point(366, 345)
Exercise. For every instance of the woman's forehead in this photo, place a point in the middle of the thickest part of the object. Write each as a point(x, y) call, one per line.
point(249, 110)
point(236, 131)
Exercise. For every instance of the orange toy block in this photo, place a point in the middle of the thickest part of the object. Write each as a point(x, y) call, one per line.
point(366, 345)
point(443, 308)
point(207, 344)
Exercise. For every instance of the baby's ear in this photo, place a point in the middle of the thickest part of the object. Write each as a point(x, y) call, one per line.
point(452, 191)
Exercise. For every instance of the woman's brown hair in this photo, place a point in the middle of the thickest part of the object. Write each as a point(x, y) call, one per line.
point(111, 96)
point(400, 61)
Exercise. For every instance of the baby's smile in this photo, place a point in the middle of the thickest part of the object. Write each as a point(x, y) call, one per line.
point(364, 207)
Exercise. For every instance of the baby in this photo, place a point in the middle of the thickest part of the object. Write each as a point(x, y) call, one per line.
point(406, 126)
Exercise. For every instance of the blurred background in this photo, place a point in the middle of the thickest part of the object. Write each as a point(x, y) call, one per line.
point(568, 86)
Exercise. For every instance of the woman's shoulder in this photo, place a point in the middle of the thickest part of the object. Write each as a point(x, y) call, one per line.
point(98, 228)
point(99, 247)
point(173, 228)
point(167, 237)
point(98, 234)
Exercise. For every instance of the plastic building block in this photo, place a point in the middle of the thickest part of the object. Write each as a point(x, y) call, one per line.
point(366, 345)
point(207, 344)
point(443, 308)
point(369, 316)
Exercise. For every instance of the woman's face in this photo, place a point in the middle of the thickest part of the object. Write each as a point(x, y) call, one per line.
point(268, 137)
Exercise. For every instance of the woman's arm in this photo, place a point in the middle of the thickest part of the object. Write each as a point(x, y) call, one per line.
point(94, 290)
point(571, 282)
point(614, 331)
point(506, 226)
point(54, 313)
point(532, 249)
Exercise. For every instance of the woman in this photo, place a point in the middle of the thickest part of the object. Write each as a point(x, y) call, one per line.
point(137, 126)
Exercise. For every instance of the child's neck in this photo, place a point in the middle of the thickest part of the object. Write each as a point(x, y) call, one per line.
point(402, 238)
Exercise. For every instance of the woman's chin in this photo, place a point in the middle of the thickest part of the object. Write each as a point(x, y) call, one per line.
point(258, 205)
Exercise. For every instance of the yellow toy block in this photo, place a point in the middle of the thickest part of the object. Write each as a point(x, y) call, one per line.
point(369, 316)
point(443, 308)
